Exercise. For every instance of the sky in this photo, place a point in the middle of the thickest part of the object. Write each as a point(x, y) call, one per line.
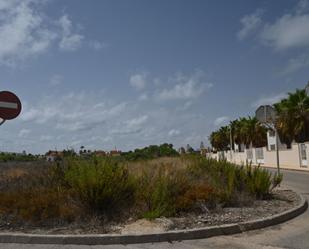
point(108, 74)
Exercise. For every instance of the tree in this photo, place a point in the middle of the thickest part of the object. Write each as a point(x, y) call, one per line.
point(220, 140)
point(292, 122)
point(247, 131)
point(150, 152)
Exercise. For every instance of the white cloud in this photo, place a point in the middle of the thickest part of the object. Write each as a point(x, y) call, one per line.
point(26, 31)
point(187, 105)
point(30, 114)
point(137, 121)
point(221, 120)
point(45, 138)
point(269, 100)
point(56, 80)
point(23, 132)
point(131, 126)
point(22, 31)
point(289, 31)
point(143, 97)
point(72, 112)
point(138, 81)
point(173, 132)
point(69, 41)
point(295, 64)
point(302, 6)
point(185, 88)
point(97, 45)
point(250, 23)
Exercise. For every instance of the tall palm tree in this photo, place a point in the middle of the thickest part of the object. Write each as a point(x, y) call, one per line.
point(249, 131)
point(292, 120)
point(259, 133)
point(220, 140)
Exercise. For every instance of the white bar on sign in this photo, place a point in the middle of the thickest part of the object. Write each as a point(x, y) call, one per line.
point(8, 105)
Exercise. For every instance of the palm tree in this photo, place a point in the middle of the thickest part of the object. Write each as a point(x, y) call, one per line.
point(292, 120)
point(248, 131)
point(220, 139)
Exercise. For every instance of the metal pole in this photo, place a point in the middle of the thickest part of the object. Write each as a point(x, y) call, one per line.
point(307, 88)
point(231, 142)
point(277, 151)
point(2, 122)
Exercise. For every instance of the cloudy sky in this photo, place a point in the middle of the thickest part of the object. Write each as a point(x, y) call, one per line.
point(126, 74)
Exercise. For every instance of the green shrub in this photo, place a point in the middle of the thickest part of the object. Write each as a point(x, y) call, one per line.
point(159, 189)
point(102, 185)
point(233, 182)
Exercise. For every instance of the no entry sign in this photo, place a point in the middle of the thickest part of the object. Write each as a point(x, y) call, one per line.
point(10, 106)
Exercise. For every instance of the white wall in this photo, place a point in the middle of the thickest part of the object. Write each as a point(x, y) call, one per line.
point(288, 158)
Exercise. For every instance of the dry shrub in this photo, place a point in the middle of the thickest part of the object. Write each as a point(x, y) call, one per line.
point(197, 197)
point(39, 206)
point(111, 188)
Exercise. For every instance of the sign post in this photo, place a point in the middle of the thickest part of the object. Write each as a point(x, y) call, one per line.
point(10, 106)
point(266, 114)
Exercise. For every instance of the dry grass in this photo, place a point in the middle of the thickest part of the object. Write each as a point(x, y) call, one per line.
point(169, 163)
point(113, 189)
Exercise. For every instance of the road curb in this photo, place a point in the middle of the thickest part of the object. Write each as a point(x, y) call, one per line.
point(200, 233)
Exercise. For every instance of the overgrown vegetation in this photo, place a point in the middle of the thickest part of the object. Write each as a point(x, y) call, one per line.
point(78, 189)
point(151, 152)
point(6, 157)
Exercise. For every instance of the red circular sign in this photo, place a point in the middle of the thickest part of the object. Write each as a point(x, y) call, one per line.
point(10, 106)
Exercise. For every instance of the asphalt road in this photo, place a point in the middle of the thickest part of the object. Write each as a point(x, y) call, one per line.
point(292, 234)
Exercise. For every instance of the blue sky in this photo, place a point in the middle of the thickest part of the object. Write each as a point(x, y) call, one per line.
point(127, 74)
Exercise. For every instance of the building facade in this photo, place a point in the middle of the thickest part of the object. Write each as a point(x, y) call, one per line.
point(296, 158)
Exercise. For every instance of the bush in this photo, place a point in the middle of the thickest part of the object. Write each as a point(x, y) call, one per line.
point(106, 187)
point(37, 198)
point(39, 206)
point(233, 182)
point(166, 191)
point(102, 185)
point(159, 190)
point(198, 196)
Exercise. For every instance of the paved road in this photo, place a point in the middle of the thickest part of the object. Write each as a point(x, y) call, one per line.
point(293, 234)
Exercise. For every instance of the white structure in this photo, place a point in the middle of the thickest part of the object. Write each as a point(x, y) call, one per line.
point(296, 158)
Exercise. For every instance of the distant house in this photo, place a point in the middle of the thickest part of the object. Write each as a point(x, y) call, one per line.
point(182, 150)
point(100, 153)
point(53, 155)
point(115, 153)
point(204, 151)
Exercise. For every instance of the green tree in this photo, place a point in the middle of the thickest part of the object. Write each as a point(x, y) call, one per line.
point(292, 120)
point(220, 140)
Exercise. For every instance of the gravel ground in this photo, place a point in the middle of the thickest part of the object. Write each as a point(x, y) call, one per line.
point(282, 201)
